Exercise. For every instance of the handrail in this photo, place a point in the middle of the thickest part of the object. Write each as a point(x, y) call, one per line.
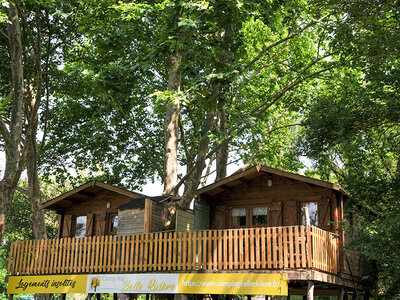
point(285, 248)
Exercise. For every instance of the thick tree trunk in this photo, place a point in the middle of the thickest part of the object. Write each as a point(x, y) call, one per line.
point(223, 151)
point(171, 125)
point(6, 196)
point(194, 179)
point(34, 194)
point(12, 135)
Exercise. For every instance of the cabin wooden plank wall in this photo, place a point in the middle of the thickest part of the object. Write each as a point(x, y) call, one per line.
point(130, 221)
point(159, 217)
point(184, 220)
point(284, 200)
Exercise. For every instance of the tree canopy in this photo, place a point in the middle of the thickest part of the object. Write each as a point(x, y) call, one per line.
point(174, 91)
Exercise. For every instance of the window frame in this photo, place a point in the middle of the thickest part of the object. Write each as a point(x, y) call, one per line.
point(249, 215)
point(302, 204)
point(76, 226)
point(109, 224)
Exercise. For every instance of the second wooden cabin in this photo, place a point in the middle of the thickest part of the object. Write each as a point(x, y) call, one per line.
point(263, 196)
point(96, 208)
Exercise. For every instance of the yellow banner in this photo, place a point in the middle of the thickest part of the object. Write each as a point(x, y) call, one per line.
point(47, 284)
point(233, 284)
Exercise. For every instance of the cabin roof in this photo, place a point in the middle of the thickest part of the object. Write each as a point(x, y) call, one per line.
point(85, 192)
point(248, 174)
point(140, 202)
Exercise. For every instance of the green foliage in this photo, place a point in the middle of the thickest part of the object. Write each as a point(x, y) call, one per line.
point(113, 88)
point(352, 130)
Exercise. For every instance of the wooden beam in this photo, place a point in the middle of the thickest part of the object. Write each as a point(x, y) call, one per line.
point(92, 183)
point(226, 188)
point(148, 207)
point(86, 193)
point(317, 292)
point(74, 200)
point(273, 171)
point(245, 181)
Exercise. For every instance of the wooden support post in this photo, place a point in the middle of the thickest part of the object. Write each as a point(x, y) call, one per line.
point(63, 296)
point(308, 237)
point(147, 216)
point(10, 296)
point(147, 295)
point(89, 296)
point(310, 290)
point(248, 297)
point(115, 296)
point(341, 293)
point(367, 295)
point(98, 296)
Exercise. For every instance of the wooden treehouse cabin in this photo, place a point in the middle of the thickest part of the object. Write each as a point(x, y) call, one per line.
point(262, 231)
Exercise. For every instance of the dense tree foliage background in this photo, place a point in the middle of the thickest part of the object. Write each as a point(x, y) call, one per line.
point(352, 132)
point(271, 82)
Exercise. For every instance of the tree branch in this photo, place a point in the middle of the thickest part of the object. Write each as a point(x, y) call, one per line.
point(4, 131)
point(262, 52)
point(147, 150)
point(271, 129)
point(3, 34)
point(256, 112)
point(185, 147)
point(208, 171)
point(22, 191)
point(28, 30)
point(46, 115)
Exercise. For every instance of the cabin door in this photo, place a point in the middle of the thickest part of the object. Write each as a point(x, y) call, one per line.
point(201, 215)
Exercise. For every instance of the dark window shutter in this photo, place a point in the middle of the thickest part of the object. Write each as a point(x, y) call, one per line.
point(275, 213)
point(324, 214)
point(100, 224)
point(292, 208)
point(89, 224)
point(68, 224)
point(220, 217)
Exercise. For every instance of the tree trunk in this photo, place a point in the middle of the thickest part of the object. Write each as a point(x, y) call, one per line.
point(6, 196)
point(171, 125)
point(194, 179)
point(12, 135)
point(223, 151)
point(34, 194)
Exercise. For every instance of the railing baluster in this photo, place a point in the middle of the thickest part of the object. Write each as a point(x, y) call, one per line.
point(252, 250)
point(263, 252)
point(219, 241)
point(215, 249)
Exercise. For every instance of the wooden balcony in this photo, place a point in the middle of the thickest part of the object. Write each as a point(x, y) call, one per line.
point(275, 248)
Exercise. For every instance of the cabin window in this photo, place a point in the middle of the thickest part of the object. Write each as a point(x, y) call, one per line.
point(113, 224)
point(313, 212)
point(260, 215)
point(239, 217)
point(80, 226)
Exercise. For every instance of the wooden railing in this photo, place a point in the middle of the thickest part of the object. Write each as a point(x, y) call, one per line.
point(324, 250)
point(287, 248)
